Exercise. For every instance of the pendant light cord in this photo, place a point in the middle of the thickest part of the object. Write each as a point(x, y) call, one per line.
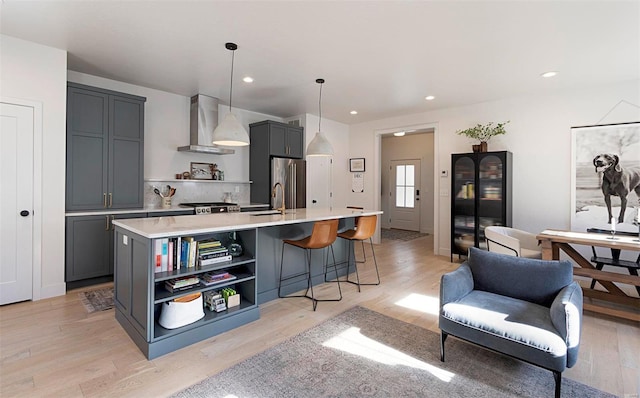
point(320, 107)
point(233, 56)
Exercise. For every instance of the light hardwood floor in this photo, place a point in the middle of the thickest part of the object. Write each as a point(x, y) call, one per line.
point(54, 348)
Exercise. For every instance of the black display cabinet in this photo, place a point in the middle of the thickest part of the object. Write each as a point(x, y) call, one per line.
point(480, 197)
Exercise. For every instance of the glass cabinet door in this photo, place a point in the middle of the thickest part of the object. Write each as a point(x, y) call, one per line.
point(463, 191)
point(490, 191)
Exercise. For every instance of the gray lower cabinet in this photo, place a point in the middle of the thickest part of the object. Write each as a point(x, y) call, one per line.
point(89, 246)
point(105, 149)
point(140, 292)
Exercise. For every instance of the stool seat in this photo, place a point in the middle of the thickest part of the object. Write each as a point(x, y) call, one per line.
point(323, 234)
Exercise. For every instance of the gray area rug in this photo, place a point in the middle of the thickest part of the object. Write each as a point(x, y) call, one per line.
point(400, 234)
point(97, 300)
point(363, 353)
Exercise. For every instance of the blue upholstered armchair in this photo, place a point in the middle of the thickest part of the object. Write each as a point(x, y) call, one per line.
point(528, 309)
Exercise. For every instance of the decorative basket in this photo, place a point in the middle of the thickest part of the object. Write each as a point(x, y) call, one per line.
point(181, 311)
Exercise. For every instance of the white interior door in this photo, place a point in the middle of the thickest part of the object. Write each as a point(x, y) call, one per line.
point(404, 206)
point(16, 203)
point(319, 181)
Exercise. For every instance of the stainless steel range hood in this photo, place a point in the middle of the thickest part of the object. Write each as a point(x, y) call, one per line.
point(203, 120)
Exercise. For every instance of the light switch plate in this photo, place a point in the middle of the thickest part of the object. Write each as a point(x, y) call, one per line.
point(125, 240)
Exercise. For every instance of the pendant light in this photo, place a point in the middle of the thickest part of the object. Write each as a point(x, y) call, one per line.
point(320, 145)
point(230, 132)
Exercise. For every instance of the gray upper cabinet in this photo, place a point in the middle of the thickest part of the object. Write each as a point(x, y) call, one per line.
point(270, 139)
point(105, 149)
point(281, 139)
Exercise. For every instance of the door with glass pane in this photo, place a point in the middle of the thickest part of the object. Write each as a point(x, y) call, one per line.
point(404, 206)
point(463, 204)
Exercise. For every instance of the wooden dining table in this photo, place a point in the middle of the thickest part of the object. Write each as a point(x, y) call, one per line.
point(613, 301)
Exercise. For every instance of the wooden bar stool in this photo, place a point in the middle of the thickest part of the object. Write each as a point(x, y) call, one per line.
point(365, 228)
point(323, 234)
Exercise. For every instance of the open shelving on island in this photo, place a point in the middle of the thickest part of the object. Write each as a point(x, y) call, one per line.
point(140, 292)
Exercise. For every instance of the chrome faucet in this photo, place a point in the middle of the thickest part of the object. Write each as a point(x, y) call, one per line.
point(281, 209)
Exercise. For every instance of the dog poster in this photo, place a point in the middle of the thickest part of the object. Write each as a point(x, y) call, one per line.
point(606, 177)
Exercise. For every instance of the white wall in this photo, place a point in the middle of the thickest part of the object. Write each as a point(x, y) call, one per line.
point(538, 135)
point(411, 146)
point(37, 73)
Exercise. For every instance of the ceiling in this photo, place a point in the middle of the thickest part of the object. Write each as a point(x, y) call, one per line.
point(379, 58)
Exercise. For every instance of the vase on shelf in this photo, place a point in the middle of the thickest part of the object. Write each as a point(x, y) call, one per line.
point(483, 146)
point(235, 248)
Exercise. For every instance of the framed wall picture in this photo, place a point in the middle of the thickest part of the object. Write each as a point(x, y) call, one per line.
point(605, 158)
point(356, 165)
point(201, 171)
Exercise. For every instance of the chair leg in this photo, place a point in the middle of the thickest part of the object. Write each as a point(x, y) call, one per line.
point(558, 378)
point(443, 337)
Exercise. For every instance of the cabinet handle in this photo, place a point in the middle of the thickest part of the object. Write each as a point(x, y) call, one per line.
point(110, 199)
point(104, 199)
point(106, 227)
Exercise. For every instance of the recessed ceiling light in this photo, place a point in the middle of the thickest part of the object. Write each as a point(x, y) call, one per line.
point(248, 79)
point(399, 134)
point(430, 98)
point(354, 112)
point(549, 74)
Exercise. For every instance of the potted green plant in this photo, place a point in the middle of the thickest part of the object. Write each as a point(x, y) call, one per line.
point(483, 133)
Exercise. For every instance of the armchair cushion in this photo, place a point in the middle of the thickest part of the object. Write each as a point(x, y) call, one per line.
point(512, 326)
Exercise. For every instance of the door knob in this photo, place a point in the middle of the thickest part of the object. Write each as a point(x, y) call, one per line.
point(24, 213)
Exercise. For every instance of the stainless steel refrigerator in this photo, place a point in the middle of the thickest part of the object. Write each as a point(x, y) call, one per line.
point(292, 174)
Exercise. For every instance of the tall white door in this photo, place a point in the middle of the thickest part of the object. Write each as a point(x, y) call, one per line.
point(404, 206)
point(319, 181)
point(16, 202)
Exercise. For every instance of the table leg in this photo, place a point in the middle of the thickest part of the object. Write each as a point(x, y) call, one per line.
point(582, 262)
point(549, 250)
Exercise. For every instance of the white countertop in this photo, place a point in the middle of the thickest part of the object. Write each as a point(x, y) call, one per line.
point(161, 227)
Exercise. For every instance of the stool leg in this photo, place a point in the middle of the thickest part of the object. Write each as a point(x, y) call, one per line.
point(326, 265)
point(375, 261)
point(335, 268)
point(352, 250)
point(307, 257)
point(364, 253)
point(280, 277)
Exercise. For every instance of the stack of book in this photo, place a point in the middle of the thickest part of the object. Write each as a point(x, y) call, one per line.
point(180, 284)
point(211, 252)
point(213, 277)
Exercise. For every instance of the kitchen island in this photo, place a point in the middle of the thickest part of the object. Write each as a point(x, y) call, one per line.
point(140, 291)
